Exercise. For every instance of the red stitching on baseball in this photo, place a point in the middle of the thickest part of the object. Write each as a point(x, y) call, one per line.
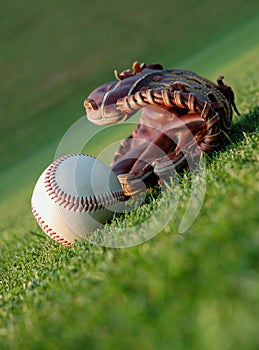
point(49, 230)
point(88, 204)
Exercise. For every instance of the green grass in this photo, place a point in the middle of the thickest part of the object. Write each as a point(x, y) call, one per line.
point(197, 290)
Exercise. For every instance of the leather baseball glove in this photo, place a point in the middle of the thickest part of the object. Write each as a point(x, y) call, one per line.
point(182, 115)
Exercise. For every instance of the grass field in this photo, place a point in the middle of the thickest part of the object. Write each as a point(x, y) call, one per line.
point(196, 290)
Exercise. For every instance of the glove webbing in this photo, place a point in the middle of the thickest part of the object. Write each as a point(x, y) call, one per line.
point(171, 99)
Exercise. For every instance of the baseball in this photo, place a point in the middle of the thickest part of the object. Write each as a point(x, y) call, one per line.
point(74, 196)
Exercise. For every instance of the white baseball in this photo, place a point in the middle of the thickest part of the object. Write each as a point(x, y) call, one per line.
point(74, 196)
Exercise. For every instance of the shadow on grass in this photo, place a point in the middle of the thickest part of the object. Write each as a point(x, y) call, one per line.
point(247, 123)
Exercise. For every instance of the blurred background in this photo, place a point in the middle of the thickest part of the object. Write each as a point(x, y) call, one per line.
point(53, 53)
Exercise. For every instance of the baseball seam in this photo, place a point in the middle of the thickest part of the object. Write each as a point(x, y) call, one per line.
point(49, 230)
point(76, 203)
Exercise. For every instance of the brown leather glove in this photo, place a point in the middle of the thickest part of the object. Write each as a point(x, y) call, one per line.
point(182, 115)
